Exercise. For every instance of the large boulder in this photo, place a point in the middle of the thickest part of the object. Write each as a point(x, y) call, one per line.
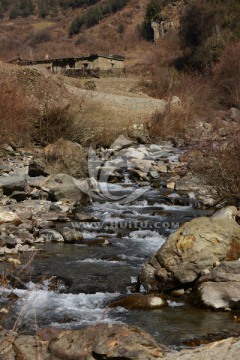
point(105, 341)
point(63, 186)
point(220, 288)
point(63, 156)
point(191, 251)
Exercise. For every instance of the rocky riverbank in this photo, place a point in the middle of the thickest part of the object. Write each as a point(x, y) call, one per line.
point(40, 190)
point(105, 342)
point(45, 191)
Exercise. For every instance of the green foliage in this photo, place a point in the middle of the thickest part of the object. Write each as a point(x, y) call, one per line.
point(43, 8)
point(65, 4)
point(3, 7)
point(205, 27)
point(23, 8)
point(94, 14)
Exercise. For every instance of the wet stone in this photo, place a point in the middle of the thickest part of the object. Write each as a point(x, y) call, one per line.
point(51, 235)
point(71, 236)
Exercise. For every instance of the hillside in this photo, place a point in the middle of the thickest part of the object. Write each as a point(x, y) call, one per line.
point(35, 36)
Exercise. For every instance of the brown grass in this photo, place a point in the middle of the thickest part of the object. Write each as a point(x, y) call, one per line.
point(219, 167)
point(227, 76)
point(197, 102)
point(60, 150)
point(15, 113)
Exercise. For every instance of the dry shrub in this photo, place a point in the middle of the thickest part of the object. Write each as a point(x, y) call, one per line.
point(100, 127)
point(197, 102)
point(219, 167)
point(15, 113)
point(55, 121)
point(163, 80)
point(39, 37)
point(59, 150)
point(170, 124)
point(67, 157)
point(86, 122)
point(227, 75)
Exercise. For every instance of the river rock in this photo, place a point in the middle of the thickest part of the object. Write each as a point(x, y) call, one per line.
point(9, 217)
point(8, 241)
point(98, 242)
point(139, 302)
point(28, 348)
point(138, 174)
point(161, 167)
point(51, 235)
point(194, 248)
point(220, 288)
point(12, 183)
point(235, 114)
point(37, 167)
point(70, 235)
point(24, 236)
point(63, 156)
point(63, 186)
point(134, 153)
point(106, 341)
point(227, 349)
point(6, 348)
point(143, 165)
point(122, 142)
point(19, 196)
point(229, 212)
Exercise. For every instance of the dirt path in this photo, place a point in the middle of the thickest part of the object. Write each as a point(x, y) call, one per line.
point(120, 96)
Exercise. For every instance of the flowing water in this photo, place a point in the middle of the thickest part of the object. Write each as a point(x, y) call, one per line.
point(91, 276)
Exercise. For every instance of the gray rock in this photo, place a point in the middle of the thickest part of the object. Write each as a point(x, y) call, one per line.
point(38, 167)
point(121, 142)
point(19, 196)
point(51, 235)
point(143, 165)
point(12, 183)
point(188, 252)
point(71, 235)
point(24, 236)
point(8, 241)
point(63, 186)
point(138, 174)
point(235, 114)
point(188, 183)
point(220, 288)
point(154, 174)
point(220, 295)
point(134, 153)
point(228, 212)
point(161, 167)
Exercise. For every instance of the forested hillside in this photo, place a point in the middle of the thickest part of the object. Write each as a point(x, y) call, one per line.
point(41, 8)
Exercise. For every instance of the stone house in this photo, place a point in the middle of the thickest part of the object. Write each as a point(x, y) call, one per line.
point(81, 66)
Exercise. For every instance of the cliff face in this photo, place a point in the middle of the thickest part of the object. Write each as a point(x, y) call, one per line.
point(169, 19)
